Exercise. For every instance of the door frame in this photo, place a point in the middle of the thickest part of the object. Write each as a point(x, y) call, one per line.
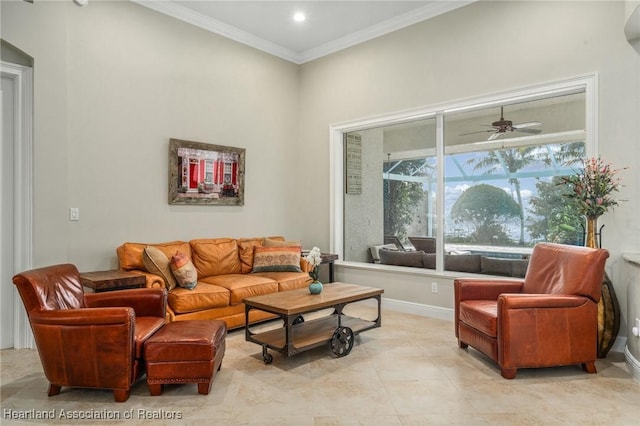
point(23, 190)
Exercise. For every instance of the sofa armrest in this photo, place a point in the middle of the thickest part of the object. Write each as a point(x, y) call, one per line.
point(304, 265)
point(86, 347)
point(545, 330)
point(83, 316)
point(484, 288)
point(146, 302)
point(153, 280)
point(480, 289)
point(539, 301)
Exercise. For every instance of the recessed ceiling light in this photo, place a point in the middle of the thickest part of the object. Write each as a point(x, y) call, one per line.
point(299, 17)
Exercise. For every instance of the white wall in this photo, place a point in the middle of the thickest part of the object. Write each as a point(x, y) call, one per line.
point(113, 82)
point(483, 48)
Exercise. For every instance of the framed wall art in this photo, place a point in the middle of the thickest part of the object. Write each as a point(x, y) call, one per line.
point(202, 173)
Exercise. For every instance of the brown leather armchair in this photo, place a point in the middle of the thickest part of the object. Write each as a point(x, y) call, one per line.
point(549, 318)
point(91, 340)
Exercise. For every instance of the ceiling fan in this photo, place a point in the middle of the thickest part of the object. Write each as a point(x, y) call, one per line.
point(503, 126)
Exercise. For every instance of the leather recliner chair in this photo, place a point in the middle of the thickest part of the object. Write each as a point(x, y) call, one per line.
point(91, 340)
point(549, 318)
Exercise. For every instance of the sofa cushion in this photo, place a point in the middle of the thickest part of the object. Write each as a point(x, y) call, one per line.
point(157, 263)
point(462, 262)
point(245, 252)
point(429, 260)
point(276, 259)
point(425, 244)
point(519, 267)
point(458, 263)
point(130, 254)
point(496, 266)
point(273, 242)
point(183, 270)
point(246, 245)
point(401, 258)
point(215, 256)
point(241, 286)
point(287, 280)
point(481, 315)
point(203, 296)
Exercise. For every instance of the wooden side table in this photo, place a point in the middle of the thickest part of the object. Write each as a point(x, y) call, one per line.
point(329, 258)
point(325, 258)
point(100, 281)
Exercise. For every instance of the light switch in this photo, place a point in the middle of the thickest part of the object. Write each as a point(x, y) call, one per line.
point(74, 213)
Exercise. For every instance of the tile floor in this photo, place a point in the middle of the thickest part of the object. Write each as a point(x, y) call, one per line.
point(408, 372)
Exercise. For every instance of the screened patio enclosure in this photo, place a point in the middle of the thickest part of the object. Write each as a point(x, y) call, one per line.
point(499, 191)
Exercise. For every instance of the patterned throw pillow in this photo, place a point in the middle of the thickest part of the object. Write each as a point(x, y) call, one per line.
point(183, 270)
point(269, 242)
point(276, 259)
point(157, 263)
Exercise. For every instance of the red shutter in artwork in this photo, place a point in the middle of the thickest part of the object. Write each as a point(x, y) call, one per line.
point(234, 173)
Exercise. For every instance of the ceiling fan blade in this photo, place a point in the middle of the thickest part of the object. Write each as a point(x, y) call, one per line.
point(494, 136)
point(528, 124)
point(531, 131)
point(475, 133)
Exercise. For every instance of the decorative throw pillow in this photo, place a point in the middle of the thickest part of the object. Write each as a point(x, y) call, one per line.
point(268, 242)
point(183, 270)
point(156, 262)
point(375, 251)
point(401, 258)
point(276, 259)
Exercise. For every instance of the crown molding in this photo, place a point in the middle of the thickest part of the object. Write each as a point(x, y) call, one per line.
point(385, 27)
point(212, 25)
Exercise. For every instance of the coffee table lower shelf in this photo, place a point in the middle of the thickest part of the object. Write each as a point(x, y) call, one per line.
point(339, 330)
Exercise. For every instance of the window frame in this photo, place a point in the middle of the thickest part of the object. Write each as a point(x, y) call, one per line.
point(337, 131)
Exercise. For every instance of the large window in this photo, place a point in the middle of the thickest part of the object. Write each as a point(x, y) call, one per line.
point(479, 178)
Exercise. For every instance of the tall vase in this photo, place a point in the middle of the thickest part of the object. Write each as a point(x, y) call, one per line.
point(591, 238)
point(608, 306)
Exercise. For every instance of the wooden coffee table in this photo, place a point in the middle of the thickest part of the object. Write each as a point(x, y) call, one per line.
point(298, 335)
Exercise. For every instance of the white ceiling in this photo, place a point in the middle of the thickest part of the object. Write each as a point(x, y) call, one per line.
point(330, 26)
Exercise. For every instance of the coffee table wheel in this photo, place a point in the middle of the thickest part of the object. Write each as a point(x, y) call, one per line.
point(342, 341)
point(266, 357)
point(298, 320)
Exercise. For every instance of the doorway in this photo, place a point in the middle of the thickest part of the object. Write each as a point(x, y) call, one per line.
point(16, 190)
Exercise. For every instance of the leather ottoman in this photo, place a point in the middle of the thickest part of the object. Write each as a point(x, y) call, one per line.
point(185, 352)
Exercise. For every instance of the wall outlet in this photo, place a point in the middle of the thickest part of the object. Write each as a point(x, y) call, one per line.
point(74, 213)
point(434, 287)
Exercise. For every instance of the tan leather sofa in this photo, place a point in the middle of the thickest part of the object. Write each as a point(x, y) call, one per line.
point(224, 268)
point(549, 318)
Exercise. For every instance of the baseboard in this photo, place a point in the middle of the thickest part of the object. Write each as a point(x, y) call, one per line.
point(619, 344)
point(418, 309)
point(632, 364)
